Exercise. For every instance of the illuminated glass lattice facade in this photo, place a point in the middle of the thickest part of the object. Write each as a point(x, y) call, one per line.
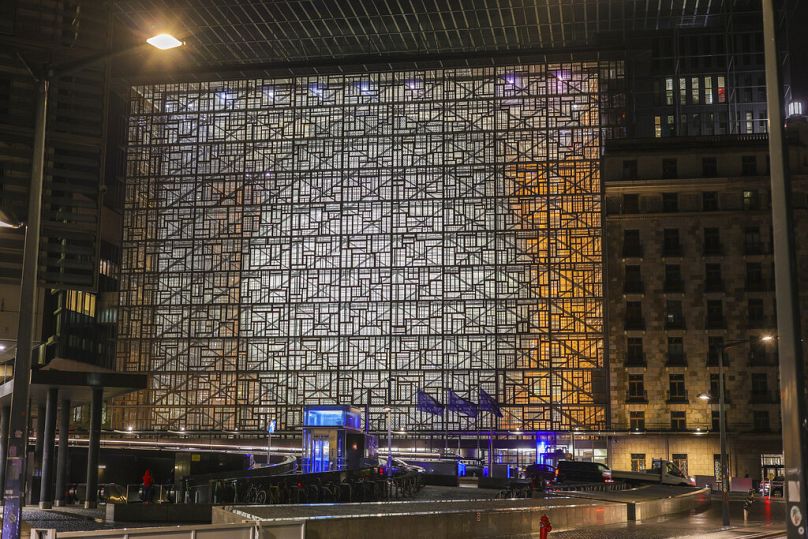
point(336, 239)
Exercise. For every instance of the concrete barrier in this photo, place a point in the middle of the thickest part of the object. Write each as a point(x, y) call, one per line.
point(178, 513)
point(487, 520)
point(680, 503)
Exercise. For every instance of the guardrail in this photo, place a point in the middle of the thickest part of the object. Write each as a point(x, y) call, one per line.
point(248, 530)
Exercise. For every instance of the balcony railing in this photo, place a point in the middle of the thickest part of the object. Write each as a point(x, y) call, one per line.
point(715, 285)
point(637, 398)
point(752, 248)
point(635, 360)
point(632, 250)
point(713, 249)
point(674, 285)
point(634, 324)
point(677, 322)
point(715, 322)
point(677, 398)
point(676, 360)
point(633, 287)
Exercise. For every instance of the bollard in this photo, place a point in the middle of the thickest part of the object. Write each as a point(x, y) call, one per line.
point(545, 527)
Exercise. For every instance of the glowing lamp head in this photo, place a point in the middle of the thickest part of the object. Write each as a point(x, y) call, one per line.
point(766, 338)
point(164, 42)
point(129, 428)
point(705, 396)
point(2, 347)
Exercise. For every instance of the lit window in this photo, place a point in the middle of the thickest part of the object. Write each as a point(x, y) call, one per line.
point(708, 90)
point(722, 90)
point(694, 90)
point(669, 91)
point(683, 91)
point(657, 126)
point(750, 122)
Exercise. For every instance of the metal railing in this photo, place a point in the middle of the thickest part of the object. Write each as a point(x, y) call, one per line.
point(245, 530)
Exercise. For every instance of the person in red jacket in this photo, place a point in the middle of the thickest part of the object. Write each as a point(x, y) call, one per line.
point(148, 481)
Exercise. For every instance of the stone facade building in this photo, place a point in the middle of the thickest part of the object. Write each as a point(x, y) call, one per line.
point(690, 273)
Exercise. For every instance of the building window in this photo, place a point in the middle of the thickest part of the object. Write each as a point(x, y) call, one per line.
point(630, 169)
point(709, 167)
point(715, 421)
point(760, 384)
point(674, 318)
point(678, 421)
point(709, 201)
point(715, 314)
point(695, 92)
point(754, 277)
point(635, 355)
point(709, 123)
point(712, 241)
point(670, 242)
point(751, 241)
point(708, 90)
point(657, 127)
point(713, 281)
point(634, 318)
point(748, 165)
point(676, 353)
point(636, 388)
point(715, 347)
point(638, 462)
point(631, 244)
point(671, 123)
point(631, 203)
point(682, 91)
point(670, 202)
point(680, 460)
point(750, 122)
point(721, 87)
point(633, 282)
point(669, 169)
point(673, 278)
point(669, 91)
point(80, 302)
point(756, 318)
point(751, 201)
point(760, 420)
point(636, 421)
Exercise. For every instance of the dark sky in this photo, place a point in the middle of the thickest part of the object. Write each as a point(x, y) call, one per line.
point(799, 51)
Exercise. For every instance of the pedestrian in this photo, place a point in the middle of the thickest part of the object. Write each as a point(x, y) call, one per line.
point(148, 481)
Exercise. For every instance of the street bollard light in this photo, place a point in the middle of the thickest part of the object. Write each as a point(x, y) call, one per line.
point(389, 413)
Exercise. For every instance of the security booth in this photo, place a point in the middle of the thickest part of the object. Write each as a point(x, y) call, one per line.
point(333, 439)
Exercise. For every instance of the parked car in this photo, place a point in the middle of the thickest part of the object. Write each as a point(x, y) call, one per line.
point(576, 470)
point(540, 475)
point(399, 466)
point(773, 487)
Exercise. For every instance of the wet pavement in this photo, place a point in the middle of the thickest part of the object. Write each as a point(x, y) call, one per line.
point(766, 516)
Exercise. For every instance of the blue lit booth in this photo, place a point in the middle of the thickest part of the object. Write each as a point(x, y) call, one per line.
point(333, 439)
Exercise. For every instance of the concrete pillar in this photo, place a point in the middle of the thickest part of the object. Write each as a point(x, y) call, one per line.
point(35, 464)
point(48, 449)
point(61, 461)
point(5, 412)
point(92, 451)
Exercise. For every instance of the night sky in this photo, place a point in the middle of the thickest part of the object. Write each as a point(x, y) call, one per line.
point(799, 52)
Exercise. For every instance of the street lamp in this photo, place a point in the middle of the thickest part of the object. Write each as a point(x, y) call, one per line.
point(722, 422)
point(18, 420)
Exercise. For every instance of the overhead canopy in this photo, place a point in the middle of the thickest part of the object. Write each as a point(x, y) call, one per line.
point(255, 33)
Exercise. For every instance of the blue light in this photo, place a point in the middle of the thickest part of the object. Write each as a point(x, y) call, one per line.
point(315, 89)
point(461, 469)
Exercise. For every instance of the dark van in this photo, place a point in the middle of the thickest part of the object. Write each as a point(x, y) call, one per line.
point(588, 472)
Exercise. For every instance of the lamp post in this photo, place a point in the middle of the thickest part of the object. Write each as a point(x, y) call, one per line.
point(792, 376)
point(18, 421)
point(722, 423)
point(389, 413)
